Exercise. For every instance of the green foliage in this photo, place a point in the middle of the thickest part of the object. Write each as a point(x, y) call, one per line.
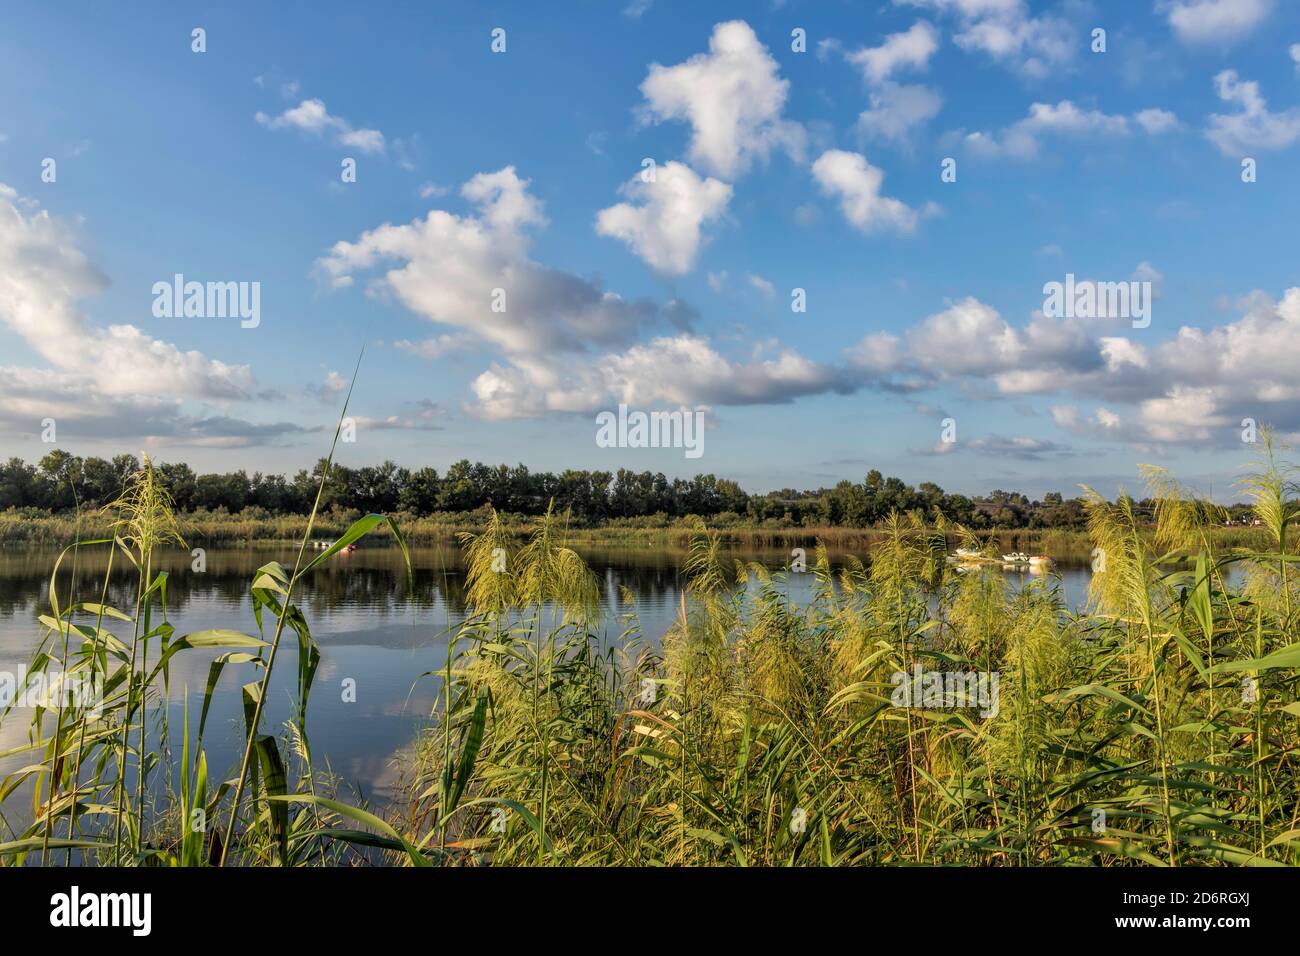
point(761, 732)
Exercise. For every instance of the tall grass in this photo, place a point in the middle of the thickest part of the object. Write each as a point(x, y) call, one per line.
point(90, 778)
point(1158, 726)
point(207, 528)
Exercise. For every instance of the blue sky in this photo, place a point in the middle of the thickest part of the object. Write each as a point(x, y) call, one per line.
point(775, 170)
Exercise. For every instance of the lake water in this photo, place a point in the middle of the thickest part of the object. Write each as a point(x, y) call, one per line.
point(370, 628)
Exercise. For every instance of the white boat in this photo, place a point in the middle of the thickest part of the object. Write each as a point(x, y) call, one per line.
point(1016, 557)
point(1039, 559)
point(966, 553)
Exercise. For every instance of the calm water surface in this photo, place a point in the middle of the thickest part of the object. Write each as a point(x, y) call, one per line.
point(369, 626)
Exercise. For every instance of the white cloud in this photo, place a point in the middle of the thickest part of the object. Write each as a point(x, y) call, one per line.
point(431, 190)
point(969, 337)
point(44, 274)
point(568, 346)
point(1005, 31)
point(733, 97)
point(111, 380)
point(1102, 424)
point(1023, 139)
point(1192, 387)
point(671, 370)
point(762, 286)
point(879, 352)
point(664, 221)
point(897, 109)
point(856, 183)
point(1187, 413)
point(329, 390)
point(910, 50)
point(448, 268)
point(1252, 127)
point(437, 347)
point(1119, 352)
point(1022, 447)
point(1156, 121)
point(311, 117)
point(1215, 21)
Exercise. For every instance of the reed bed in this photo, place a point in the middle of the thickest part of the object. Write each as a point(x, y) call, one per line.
point(1158, 727)
point(204, 528)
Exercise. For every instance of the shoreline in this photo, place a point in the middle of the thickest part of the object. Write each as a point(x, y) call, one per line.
point(18, 529)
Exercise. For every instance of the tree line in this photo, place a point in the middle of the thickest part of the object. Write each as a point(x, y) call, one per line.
point(60, 481)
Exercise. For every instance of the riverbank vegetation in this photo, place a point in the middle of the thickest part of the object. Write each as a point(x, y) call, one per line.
point(207, 529)
point(37, 502)
point(1159, 726)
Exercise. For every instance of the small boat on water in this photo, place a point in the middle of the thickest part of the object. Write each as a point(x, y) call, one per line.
point(967, 554)
point(326, 545)
point(1015, 557)
point(1040, 560)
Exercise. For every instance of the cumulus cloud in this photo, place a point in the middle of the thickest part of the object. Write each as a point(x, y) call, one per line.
point(1004, 30)
point(663, 222)
point(83, 411)
point(43, 276)
point(856, 184)
point(1253, 126)
point(312, 118)
point(1023, 139)
point(879, 352)
point(733, 97)
point(670, 370)
point(969, 337)
point(328, 391)
point(909, 50)
point(1191, 387)
point(1156, 121)
point(108, 381)
point(898, 109)
point(567, 346)
point(473, 273)
point(1215, 21)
